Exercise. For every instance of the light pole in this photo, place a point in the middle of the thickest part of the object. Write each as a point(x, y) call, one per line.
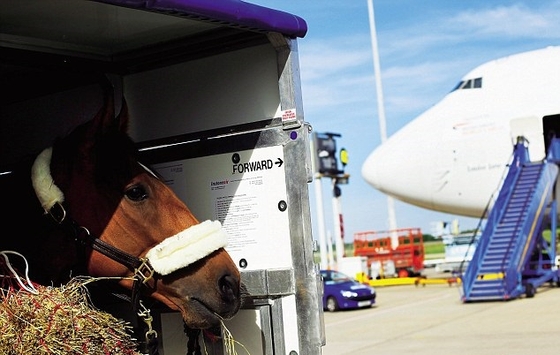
point(381, 111)
point(326, 165)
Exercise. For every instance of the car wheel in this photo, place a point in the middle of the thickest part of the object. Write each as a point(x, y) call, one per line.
point(332, 305)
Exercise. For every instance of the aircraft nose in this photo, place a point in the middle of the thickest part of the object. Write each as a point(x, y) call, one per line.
point(374, 169)
point(399, 170)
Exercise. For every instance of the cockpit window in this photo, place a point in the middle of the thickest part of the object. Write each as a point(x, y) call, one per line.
point(457, 86)
point(477, 83)
point(469, 84)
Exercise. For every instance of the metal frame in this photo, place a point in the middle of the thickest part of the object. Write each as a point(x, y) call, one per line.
point(60, 56)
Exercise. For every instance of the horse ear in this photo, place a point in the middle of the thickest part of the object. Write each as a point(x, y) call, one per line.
point(105, 120)
point(122, 118)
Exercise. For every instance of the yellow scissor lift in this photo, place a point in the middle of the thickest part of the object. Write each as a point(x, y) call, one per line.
point(407, 257)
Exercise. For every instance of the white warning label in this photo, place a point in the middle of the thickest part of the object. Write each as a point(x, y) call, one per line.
point(246, 192)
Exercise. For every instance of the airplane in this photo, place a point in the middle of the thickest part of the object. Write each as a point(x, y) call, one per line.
point(453, 157)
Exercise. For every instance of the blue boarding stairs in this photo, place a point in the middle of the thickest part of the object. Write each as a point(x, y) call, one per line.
point(512, 257)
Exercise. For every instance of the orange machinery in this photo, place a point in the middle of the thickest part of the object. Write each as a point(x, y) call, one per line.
point(407, 257)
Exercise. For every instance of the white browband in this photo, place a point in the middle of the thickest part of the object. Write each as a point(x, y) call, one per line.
point(45, 189)
point(174, 253)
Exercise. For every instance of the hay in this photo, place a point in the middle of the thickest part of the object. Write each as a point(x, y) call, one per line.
point(229, 342)
point(36, 319)
point(59, 321)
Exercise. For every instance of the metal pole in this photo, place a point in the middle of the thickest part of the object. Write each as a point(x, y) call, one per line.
point(321, 223)
point(337, 226)
point(381, 110)
point(330, 252)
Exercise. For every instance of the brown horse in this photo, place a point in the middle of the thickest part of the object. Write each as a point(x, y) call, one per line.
point(102, 213)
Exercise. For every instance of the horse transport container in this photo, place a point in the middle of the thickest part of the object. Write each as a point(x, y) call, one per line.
point(214, 96)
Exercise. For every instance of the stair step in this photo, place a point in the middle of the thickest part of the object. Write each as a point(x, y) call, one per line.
point(506, 231)
point(500, 239)
point(489, 269)
point(483, 286)
point(474, 298)
point(496, 257)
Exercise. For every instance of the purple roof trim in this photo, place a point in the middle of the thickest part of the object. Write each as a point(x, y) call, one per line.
point(235, 12)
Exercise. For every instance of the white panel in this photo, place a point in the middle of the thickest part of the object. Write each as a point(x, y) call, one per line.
point(243, 190)
point(246, 331)
point(530, 128)
point(223, 90)
point(290, 324)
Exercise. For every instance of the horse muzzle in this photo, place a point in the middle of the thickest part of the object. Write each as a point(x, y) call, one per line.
point(209, 294)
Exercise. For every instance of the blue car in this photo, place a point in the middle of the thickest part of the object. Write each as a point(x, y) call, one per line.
point(343, 292)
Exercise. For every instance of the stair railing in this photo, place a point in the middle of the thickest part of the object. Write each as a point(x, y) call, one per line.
point(510, 260)
point(541, 200)
point(511, 173)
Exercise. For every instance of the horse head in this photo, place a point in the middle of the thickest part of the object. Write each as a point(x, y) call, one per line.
point(132, 224)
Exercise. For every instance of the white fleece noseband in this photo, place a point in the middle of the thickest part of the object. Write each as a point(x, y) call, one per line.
point(174, 253)
point(186, 247)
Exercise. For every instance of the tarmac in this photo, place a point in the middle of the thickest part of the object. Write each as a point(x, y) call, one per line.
point(431, 319)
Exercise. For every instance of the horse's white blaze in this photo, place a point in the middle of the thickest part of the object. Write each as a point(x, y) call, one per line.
point(186, 247)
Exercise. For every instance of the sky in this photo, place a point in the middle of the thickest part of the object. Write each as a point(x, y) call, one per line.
point(424, 48)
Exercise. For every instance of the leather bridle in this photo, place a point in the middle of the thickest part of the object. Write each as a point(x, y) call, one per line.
point(141, 268)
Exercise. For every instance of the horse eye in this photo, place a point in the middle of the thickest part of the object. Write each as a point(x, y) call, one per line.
point(136, 193)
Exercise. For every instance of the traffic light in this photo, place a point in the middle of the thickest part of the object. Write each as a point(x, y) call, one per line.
point(325, 149)
point(343, 157)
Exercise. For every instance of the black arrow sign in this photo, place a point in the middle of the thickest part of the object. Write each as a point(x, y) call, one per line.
point(279, 162)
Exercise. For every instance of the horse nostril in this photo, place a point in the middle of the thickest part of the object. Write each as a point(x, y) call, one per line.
point(229, 288)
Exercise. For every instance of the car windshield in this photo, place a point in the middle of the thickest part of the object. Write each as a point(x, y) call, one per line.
point(335, 277)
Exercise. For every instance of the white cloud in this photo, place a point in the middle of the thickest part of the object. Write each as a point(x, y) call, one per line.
point(512, 21)
point(322, 59)
point(471, 26)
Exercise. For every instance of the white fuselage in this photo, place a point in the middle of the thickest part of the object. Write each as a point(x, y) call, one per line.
point(453, 156)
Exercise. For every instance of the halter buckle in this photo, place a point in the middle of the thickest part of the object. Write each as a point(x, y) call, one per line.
point(57, 212)
point(144, 272)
